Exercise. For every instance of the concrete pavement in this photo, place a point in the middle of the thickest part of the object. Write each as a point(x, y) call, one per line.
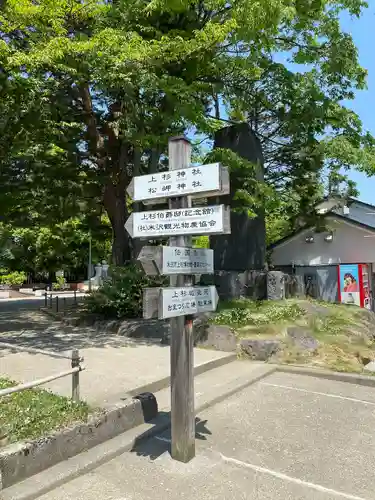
point(115, 365)
point(285, 437)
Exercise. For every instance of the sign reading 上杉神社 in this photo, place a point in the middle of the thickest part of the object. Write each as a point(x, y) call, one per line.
point(176, 260)
point(203, 180)
point(197, 220)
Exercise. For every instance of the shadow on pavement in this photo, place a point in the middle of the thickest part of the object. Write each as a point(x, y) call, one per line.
point(155, 446)
point(31, 328)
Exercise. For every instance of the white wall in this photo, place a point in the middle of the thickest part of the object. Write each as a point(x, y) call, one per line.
point(348, 246)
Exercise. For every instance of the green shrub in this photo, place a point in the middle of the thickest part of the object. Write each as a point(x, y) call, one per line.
point(60, 283)
point(121, 297)
point(257, 314)
point(13, 279)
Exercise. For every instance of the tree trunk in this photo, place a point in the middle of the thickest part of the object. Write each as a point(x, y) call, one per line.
point(114, 202)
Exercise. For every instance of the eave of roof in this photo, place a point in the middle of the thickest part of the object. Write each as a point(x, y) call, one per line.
point(328, 215)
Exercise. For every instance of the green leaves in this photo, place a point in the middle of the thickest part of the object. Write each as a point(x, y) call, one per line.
point(90, 92)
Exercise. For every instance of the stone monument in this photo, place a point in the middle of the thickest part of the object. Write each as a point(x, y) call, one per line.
point(240, 256)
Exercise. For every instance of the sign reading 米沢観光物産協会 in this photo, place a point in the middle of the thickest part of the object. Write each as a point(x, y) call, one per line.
point(159, 223)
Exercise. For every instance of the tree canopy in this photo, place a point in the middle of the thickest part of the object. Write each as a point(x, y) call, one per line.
point(90, 91)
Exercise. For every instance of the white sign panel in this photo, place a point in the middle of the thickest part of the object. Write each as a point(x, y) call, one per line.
point(187, 300)
point(177, 260)
point(191, 180)
point(158, 223)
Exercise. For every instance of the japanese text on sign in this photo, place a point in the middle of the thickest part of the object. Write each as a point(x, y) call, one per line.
point(185, 221)
point(178, 182)
point(188, 300)
point(186, 260)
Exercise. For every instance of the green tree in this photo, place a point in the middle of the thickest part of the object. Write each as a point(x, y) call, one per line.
point(44, 250)
point(97, 87)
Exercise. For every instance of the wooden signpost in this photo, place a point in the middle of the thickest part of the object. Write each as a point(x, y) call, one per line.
point(181, 262)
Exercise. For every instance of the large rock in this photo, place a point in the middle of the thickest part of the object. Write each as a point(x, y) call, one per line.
point(140, 328)
point(218, 337)
point(260, 349)
point(302, 338)
point(233, 285)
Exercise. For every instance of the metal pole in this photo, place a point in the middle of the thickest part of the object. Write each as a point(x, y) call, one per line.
point(45, 299)
point(75, 296)
point(64, 305)
point(181, 331)
point(57, 303)
point(90, 261)
point(75, 376)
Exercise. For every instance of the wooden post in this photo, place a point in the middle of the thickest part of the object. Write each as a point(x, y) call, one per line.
point(45, 299)
point(181, 331)
point(75, 376)
point(3, 442)
point(57, 303)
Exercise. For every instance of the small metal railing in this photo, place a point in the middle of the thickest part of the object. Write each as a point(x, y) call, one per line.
point(76, 367)
point(60, 302)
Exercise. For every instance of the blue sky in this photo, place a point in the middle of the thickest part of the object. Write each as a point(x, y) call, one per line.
point(363, 32)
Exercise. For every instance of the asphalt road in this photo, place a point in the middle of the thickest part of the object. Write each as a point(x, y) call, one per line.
point(286, 437)
point(32, 303)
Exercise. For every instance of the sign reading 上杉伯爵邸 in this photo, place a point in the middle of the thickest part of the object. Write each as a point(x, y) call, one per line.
point(173, 222)
point(203, 180)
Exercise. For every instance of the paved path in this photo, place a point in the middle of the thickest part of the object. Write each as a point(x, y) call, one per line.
point(286, 437)
point(31, 303)
point(114, 364)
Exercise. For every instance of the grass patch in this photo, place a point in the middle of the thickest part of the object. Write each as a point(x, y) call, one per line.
point(36, 412)
point(345, 334)
point(244, 313)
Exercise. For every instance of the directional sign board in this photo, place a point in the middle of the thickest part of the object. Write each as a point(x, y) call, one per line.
point(202, 181)
point(176, 260)
point(171, 302)
point(159, 223)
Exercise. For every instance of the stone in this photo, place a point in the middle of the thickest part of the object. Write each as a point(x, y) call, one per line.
point(217, 337)
point(234, 284)
point(275, 285)
point(140, 328)
point(302, 338)
point(245, 247)
point(370, 367)
point(260, 349)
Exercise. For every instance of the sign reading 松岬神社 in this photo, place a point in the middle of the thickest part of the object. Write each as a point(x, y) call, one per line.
point(196, 181)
